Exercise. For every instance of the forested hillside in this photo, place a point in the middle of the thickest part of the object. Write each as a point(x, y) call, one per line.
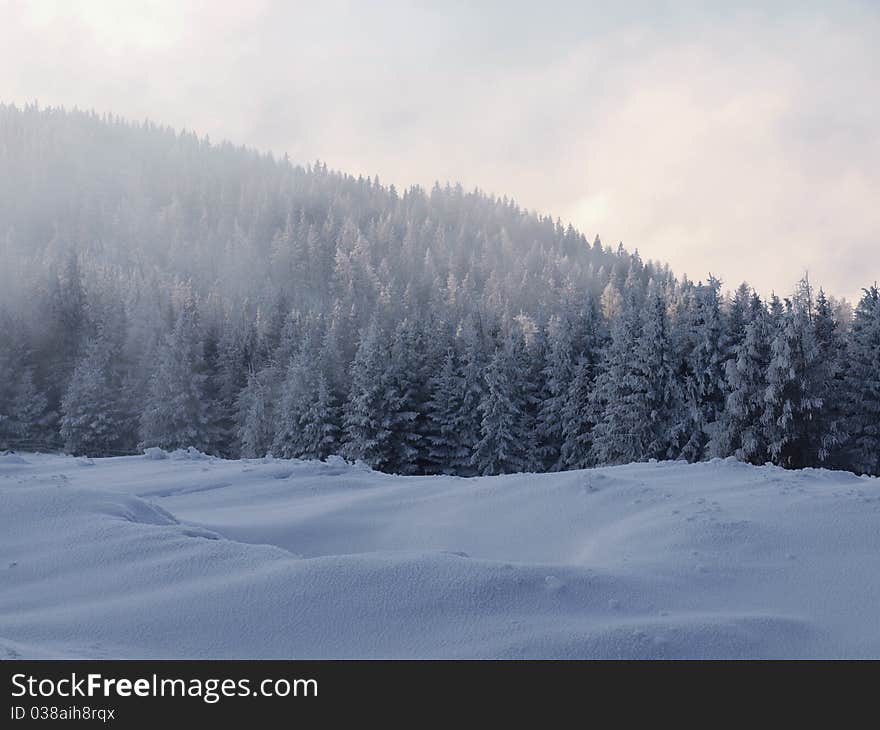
point(160, 290)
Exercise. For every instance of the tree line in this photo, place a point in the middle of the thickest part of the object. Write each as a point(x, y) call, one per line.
point(160, 290)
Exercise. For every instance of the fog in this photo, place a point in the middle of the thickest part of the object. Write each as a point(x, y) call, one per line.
point(742, 142)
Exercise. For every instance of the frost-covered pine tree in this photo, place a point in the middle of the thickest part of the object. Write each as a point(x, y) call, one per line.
point(617, 394)
point(573, 409)
point(741, 430)
point(542, 450)
point(307, 420)
point(94, 411)
point(366, 423)
point(406, 396)
point(635, 395)
point(216, 431)
point(577, 416)
point(559, 372)
point(297, 390)
point(235, 350)
point(176, 413)
point(704, 361)
point(22, 409)
point(793, 399)
point(502, 445)
point(255, 431)
point(448, 451)
point(863, 386)
point(831, 367)
point(22, 404)
point(654, 365)
point(68, 326)
point(320, 423)
point(738, 316)
point(470, 347)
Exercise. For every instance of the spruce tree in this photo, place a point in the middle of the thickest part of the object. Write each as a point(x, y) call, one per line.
point(573, 410)
point(255, 430)
point(741, 431)
point(470, 347)
point(175, 414)
point(615, 400)
point(319, 425)
point(576, 416)
point(94, 415)
point(704, 363)
point(831, 365)
point(22, 404)
point(406, 394)
point(793, 399)
point(542, 448)
point(297, 391)
point(447, 451)
point(502, 445)
point(559, 373)
point(22, 410)
point(307, 418)
point(654, 371)
point(863, 386)
point(366, 422)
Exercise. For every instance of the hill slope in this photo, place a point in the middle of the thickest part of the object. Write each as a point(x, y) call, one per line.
point(191, 556)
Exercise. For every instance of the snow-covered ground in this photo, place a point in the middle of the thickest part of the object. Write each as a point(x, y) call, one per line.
point(190, 556)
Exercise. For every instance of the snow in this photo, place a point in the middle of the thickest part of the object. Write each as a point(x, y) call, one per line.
point(195, 557)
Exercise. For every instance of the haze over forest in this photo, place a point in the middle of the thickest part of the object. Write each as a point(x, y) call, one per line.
point(739, 139)
point(161, 291)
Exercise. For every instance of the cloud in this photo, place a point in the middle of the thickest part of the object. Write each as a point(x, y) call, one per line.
point(742, 142)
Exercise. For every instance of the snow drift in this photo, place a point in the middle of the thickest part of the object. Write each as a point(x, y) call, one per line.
point(190, 556)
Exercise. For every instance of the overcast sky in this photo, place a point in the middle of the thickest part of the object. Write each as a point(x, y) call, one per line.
point(739, 141)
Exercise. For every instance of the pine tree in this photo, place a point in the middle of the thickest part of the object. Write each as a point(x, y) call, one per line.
point(635, 398)
point(22, 411)
point(22, 405)
point(216, 422)
point(473, 364)
point(319, 425)
point(576, 416)
point(175, 414)
point(68, 325)
point(307, 421)
point(94, 418)
point(738, 318)
point(448, 452)
point(542, 449)
point(654, 366)
point(235, 351)
point(367, 433)
point(559, 373)
point(616, 435)
point(704, 363)
point(574, 412)
point(830, 378)
point(793, 399)
point(502, 445)
point(741, 431)
point(255, 418)
point(406, 398)
point(863, 386)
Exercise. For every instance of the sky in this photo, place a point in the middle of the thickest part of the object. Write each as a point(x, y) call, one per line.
point(740, 139)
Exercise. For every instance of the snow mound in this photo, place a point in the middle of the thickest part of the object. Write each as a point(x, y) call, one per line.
point(199, 557)
point(11, 459)
point(191, 453)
